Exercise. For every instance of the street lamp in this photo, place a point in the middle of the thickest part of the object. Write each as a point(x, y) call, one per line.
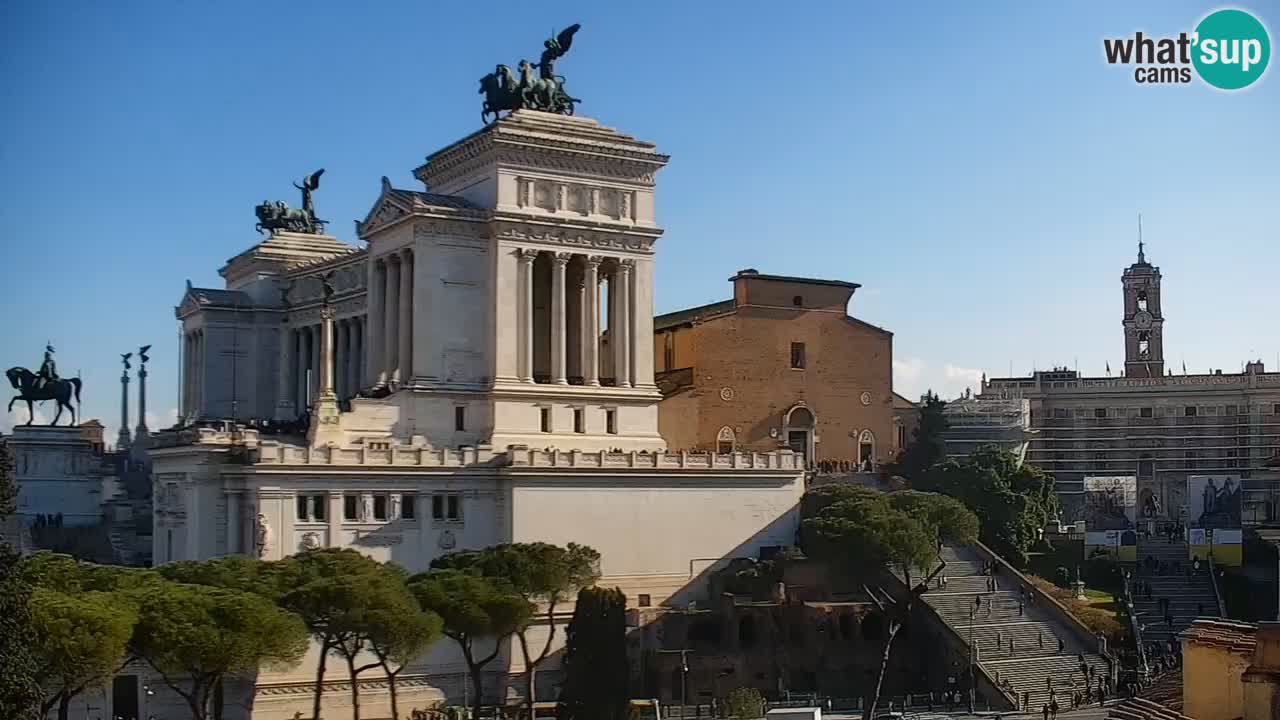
point(973, 677)
point(684, 675)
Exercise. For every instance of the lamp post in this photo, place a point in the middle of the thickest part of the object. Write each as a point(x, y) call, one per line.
point(684, 675)
point(973, 676)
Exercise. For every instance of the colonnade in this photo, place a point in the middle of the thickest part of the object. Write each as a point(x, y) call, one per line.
point(300, 361)
point(569, 331)
point(390, 335)
point(192, 372)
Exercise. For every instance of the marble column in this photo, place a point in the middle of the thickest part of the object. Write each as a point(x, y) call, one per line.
point(391, 323)
point(199, 373)
point(313, 387)
point(526, 314)
point(591, 323)
point(622, 355)
point(405, 364)
point(284, 377)
point(356, 353)
point(340, 358)
point(185, 400)
point(558, 263)
point(373, 324)
point(301, 354)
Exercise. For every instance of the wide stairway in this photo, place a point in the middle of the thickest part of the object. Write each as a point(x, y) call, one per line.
point(1189, 596)
point(1034, 662)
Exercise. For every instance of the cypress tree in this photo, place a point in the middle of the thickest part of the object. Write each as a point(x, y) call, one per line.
point(597, 670)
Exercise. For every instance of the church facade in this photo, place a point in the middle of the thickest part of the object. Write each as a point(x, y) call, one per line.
point(481, 371)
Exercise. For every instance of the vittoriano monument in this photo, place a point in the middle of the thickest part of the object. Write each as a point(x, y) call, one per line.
point(276, 216)
point(44, 385)
point(544, 91)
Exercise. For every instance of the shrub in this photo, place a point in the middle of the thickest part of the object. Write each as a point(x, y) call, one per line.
point(745, 703)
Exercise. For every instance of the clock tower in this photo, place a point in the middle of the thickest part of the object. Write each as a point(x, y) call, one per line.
point(1143, 320)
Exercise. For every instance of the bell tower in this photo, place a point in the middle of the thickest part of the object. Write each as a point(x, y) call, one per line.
point(1143, 319)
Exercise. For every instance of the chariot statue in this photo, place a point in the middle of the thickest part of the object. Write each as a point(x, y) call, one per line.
point(276, 216)
point(538, 87)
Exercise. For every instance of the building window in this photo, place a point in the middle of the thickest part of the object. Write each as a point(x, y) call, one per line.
point(1189, 411)
point(379, 507)
point(725, 440)
point(1060, 414)
point(902, 437)
point(460, 418)
point(446, 507)
point(1231, 410)
point(319, 504)
point(798, 301)
point(303, 513)
point(544, 419)
point(644, 600)
point(1145, 412)
point(579, 422)
point(1142, 300)
point(1276, 410)
point(611, 422)
point(349, 507)
point(1100, 412)
point(797, 356)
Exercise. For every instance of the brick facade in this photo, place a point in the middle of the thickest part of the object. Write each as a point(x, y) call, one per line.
point(729, 365)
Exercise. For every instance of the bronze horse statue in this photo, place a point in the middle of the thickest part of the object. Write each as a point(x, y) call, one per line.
point(61, 390)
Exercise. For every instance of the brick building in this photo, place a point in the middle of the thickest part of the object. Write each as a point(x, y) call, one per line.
point(782, 364)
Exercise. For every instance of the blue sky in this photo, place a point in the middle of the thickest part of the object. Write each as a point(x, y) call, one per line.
point(977, 167)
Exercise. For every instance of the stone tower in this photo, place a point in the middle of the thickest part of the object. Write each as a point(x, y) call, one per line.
point(1143, 319)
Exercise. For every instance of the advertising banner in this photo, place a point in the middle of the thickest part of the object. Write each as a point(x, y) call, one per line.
point(1213, 505)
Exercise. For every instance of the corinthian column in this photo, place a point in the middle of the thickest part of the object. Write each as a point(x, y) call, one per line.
point(373, 323)
point(591, 323)
point(622, 354)
point(405, 365)
point(391, 323)
point(526, 314)
point(558, 263)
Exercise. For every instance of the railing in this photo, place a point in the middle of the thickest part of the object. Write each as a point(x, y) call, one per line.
point(1217, 591)
point(1082, 631)
point(1135, 627)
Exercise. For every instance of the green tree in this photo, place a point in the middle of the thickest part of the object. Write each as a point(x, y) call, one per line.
point(83, 642)
point(927, 447)
point(1015, 500)
point(745, 703)
point(545, 575)
point(327, 588)
point(195, 636)
point(473, 608)
point(864, 530)
point(398, 634)
point(19, 691)
point(598, 672)
point(230, 572)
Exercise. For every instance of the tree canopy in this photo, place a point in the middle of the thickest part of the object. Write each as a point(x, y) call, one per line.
point(84, 640)
point(927, 447)
point(19, 691)
point(597, 669)
point(1015, 500)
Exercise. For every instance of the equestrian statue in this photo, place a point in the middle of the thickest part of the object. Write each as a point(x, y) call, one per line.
point(276, 216)
point(44, 385)
point(543, 90)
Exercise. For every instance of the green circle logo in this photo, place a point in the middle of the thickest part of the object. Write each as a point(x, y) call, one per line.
point(1231, 49)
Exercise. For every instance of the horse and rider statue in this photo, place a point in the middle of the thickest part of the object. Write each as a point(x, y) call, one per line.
point(276, 216)
point(543, 90)
point(44, 385)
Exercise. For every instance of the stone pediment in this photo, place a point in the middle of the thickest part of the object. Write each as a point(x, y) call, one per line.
point(196, 299)
point(394, 205)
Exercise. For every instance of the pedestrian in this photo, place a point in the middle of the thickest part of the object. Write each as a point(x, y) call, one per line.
point(1020, 610)
point(1199, 609)
point(1041, 638)
point(1168, 621)
point(1010, 646)
point(1048, 683)
point(1061, 645)
point(1026, 700)
point(999, 639)
point(1053, 709)
point(1044, 711)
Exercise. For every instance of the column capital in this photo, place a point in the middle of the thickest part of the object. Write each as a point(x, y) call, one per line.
point(527, 255)
point(593, 261)
point(561, 259)
point(626, 265)
point(405, 253)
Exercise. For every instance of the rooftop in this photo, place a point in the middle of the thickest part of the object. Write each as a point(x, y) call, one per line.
point(754, 274)
point(1236, 637)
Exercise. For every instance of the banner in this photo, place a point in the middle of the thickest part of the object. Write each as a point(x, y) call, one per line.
point(1111, 502)
point(1213, 501)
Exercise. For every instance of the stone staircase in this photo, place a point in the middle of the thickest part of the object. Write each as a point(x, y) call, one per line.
point(1142, 709)
point(1189, 596)
point(1035, 662)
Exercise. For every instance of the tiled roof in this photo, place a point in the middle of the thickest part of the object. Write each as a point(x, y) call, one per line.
point(680, 317)
point(1237, 637)
point(214, 296)
point(448, 201)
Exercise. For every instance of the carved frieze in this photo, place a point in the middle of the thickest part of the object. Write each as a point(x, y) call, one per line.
point(577, 238)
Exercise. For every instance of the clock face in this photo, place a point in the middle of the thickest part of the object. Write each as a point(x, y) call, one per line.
point(1142, 319)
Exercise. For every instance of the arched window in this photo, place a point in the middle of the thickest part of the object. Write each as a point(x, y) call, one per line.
point(800, 417)
point(726, 441)
point(1144, 345)
point(1142, 300)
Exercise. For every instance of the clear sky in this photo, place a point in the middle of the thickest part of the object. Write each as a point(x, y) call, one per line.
point(977, 167)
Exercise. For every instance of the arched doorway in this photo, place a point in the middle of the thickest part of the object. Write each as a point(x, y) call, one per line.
point(866, 450)
point(726, 441)
point(798, 430)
